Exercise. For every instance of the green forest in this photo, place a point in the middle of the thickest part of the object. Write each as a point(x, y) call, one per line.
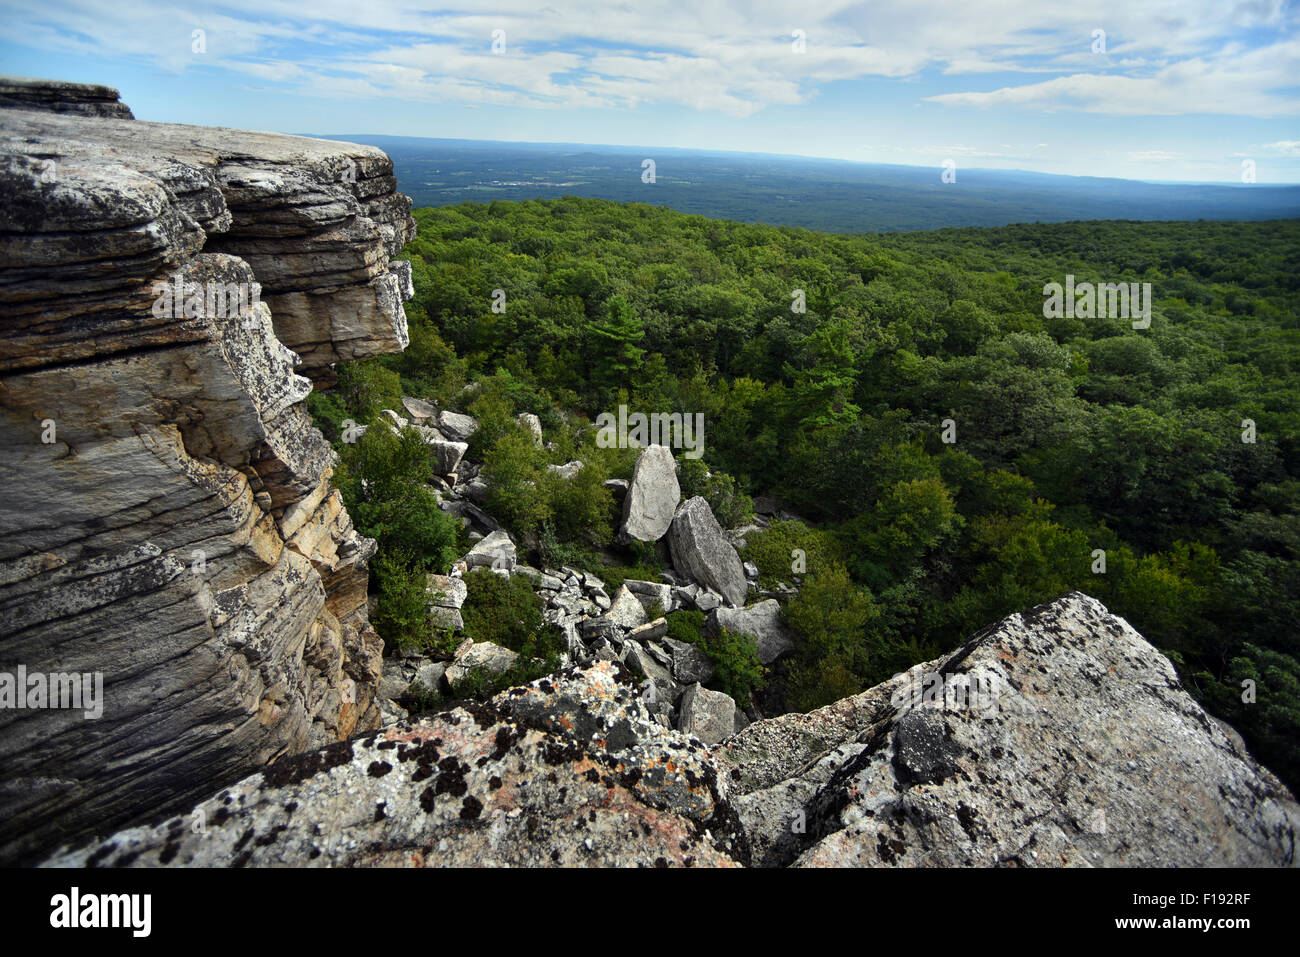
point(955, 456)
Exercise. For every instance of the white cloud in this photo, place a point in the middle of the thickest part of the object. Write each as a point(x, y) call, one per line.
point(728, 56)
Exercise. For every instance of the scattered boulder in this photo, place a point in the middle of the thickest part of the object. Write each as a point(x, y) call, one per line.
point(650, 631)
point(763, 621)
point(479, 656)
point(419, 410)
point(617, 488)
point(456, 426)
point(446, 596)
point(652, 496)
point(625, 610)
point(708, 715)
point(496, 551)
point(533, 424)
point(640, 662)
point(447, 455)
point(566, 471)
point(690, 664)
point(700, 550)
point(650, 593)
point(430, 675)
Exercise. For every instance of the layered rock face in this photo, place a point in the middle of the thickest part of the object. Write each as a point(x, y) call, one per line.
point(167, 518)
point(86, 99)
point(1057, 737)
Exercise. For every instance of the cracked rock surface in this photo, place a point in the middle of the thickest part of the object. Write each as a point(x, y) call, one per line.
point(572, 769)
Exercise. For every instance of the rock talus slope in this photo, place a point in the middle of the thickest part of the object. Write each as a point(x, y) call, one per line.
point(167, 519)
point(1075, 714)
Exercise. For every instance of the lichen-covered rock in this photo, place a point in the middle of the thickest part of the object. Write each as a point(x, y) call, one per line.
point(1057, 737)
point(168, 520)
point(652, 495)
point(567, 771)
point(700, 550)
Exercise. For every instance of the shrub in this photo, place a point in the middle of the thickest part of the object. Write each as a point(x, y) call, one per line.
point(830, 617)
point(735, 656)
point(401, 614)
point(731, 506)
point(771, 550)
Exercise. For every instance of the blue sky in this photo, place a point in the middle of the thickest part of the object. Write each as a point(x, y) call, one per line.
point(1184, 89)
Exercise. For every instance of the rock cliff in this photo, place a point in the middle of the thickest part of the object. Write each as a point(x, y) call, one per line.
point(168, 293)
point(1057, 737)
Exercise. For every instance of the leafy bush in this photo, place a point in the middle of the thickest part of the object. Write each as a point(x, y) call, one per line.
point(731, 506)
point(734, 655)
point(401, 615)
point(771, 550)
point(830, 617)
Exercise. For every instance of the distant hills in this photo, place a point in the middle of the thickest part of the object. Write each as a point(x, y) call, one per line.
point(834, 195)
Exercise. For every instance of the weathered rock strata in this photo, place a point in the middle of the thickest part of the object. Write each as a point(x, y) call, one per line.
point(167, 517)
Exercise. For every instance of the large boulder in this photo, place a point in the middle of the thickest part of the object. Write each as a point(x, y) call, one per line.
point(496, 551)
point(699, 549)
point(447, 455)
point(762, 620)
point(456, 426)
point(652, 495)
point(479, 656)
point(1055, 737)
point(446, 596)
point(707, 715)
point(418, 409)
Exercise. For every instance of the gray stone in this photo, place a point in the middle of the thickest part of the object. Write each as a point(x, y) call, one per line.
point(495, 551)
point(625, 610)
point(707, 715)
point(566, 471)
point(457, 427)
point(447, 456)
point(480, 656)
point(763, 621)
point(650, 631)
point(700, 550)
point(652, 496)
point(651, 593)
point(690, 664)
point(640, 662)
point(533, 424)
point(430, 675)
point(419, 410)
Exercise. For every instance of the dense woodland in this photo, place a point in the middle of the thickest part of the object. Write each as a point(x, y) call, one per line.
point(1071, 435)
